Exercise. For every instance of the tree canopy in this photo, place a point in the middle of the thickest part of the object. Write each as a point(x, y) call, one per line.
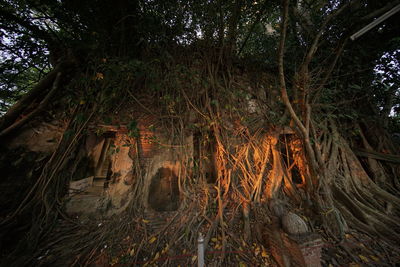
point(38, 35)
point(244, 68)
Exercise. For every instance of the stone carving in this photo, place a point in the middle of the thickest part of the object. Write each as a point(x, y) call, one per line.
point(293, 224)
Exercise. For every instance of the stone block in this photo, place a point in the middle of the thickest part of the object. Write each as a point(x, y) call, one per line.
point(310, 246)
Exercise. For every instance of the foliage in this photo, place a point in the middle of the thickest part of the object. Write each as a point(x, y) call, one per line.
point(224, 72)
point(116, 37)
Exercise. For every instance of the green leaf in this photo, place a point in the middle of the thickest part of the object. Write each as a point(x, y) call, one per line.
point(132, 125)
point(80, 117)
point(107, 120)
point(214, 102)
point(355, 86)
point(68, 133)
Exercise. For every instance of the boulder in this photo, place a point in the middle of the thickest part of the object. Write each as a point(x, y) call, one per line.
point(293, 224)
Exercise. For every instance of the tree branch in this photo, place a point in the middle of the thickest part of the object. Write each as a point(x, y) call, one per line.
point(41, 107)
point(314, 45)
point(304, 22)
point(232, 27)
point(16, 110)
point(8, 13)
point(257, 20)
point(331, 67)
point(282, 81)
point(303, 129)
point(380, 11)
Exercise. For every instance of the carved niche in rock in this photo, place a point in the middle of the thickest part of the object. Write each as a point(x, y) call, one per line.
point(164, 191)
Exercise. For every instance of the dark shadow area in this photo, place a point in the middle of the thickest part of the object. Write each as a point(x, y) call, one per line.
point(164, 191)
point(204, 145)
point(287, 156)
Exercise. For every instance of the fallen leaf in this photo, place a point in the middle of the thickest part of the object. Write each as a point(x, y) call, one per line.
point(363, 258)
point(132, 252)
point(99, 76)
point(165, 249)
point(157, 256)
point(151, 240)
point(114, 261)
point(145, 221)
point(194, 258)
point(374, 258)
point(264, 254)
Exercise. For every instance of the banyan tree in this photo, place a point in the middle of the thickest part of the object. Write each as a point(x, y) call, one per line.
point(129, 128)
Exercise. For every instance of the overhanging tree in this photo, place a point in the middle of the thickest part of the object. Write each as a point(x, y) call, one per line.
point(211, 59)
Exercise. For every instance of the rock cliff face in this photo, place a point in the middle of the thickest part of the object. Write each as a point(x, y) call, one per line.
point(147, 165)
point(42, 138)
point(112, 166)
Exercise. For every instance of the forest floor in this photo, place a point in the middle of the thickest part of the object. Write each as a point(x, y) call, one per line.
point(150, 245)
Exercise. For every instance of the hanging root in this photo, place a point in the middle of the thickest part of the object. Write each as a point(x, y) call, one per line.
point(261, 174)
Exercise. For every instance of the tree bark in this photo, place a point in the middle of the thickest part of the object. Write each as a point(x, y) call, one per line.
point(16, 110)
point(18, 124)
